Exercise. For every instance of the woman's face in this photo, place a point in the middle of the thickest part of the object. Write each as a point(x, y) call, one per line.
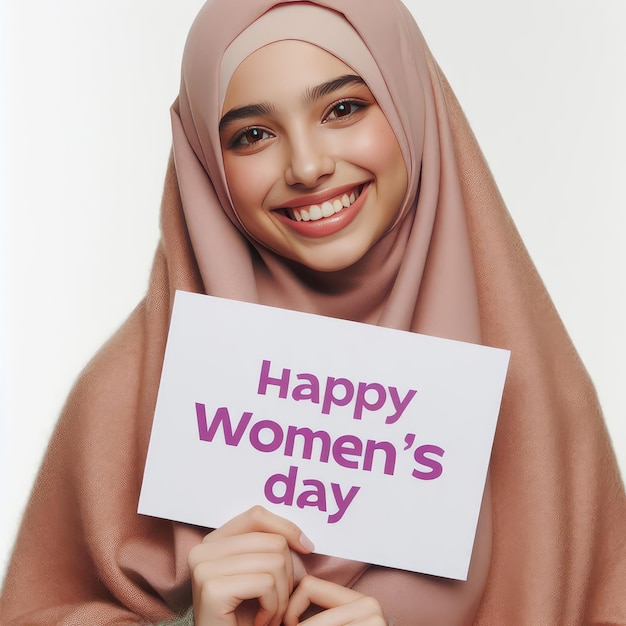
point(314, 170)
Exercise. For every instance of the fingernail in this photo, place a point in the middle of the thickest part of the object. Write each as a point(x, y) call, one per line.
point(306, 543)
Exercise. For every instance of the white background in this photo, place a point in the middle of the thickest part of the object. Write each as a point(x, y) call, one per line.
point(85, 137)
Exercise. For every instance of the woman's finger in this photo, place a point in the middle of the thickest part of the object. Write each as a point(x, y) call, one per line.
point(248, 558)
point(218, 548)
point(362, 612)
point(210, 574)
point(344, 606)
point(312, 590)
point(281, 562)
point(259, 519)
point(217, 599)
point(232, 565)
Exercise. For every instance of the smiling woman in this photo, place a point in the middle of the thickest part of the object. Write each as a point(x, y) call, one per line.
point(315, 173)
point(322, 164)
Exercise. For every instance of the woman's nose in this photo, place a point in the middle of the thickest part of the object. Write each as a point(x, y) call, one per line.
point(308, 162)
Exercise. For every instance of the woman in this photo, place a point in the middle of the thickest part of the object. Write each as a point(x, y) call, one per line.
point(444, 260)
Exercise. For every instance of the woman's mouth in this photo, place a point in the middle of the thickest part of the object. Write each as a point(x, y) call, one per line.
point(327, 217)
point(327, 208)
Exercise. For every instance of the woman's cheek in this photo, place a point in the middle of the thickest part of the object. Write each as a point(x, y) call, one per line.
point(375, 148)
point(249, 179)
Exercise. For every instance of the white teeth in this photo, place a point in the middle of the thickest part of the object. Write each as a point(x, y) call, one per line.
point(315, 212)
point(327, 209)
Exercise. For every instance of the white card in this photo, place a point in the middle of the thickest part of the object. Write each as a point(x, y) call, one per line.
point(376, 442)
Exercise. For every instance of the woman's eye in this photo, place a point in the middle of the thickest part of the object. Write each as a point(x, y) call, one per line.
point(250, 136)
point(342, 109)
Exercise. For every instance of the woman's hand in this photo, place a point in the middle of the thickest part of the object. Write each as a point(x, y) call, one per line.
point(343, 606)
point(247, 558)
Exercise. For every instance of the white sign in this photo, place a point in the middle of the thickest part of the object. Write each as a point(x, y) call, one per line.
point(376, 442)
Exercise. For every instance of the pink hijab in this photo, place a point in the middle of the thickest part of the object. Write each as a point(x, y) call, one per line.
point(391, 285)
point(452, 266)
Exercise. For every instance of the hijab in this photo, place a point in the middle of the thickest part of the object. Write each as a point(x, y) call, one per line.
point(451, 265)
point(390, 286)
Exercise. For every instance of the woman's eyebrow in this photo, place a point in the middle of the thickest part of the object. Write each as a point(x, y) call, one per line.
point(315, 93)
point(311, 95)
point(249, 110)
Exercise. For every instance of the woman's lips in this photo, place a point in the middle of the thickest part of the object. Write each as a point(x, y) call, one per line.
point(328, 208)
point(327, 217)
